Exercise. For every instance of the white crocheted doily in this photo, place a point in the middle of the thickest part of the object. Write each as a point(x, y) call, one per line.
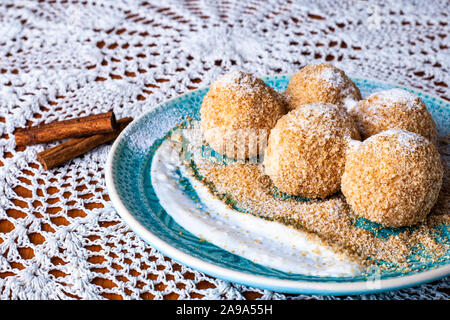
point(59, 236)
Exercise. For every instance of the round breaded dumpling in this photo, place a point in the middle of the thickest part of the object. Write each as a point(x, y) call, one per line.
point(237, 114)
point(321, 83)
point(393, 178)
point(305, 153)
point(393, 109)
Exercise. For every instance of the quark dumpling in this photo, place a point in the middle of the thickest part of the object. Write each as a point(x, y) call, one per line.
point(393, 178)
point(321, 83)
point(393, 109)
point(305, 153)
point(237, 114)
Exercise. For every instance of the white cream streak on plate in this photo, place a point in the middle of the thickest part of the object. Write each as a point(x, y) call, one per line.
point(268, 243)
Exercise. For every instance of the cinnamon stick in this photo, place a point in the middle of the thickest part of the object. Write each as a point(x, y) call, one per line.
point(73, 148)
point(73, 128)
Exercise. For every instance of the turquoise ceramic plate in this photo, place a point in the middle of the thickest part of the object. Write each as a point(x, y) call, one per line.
point(129, 185)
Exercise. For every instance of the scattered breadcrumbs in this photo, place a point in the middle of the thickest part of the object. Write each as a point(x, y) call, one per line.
point(245, 187)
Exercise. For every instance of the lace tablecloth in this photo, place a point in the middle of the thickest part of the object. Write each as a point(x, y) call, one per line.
point(60, 238)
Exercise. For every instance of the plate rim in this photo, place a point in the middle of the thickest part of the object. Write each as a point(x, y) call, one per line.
point(257, 281)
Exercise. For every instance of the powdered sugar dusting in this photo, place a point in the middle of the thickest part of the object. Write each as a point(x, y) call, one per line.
point(387, 97)
point(333, 77)
point(406, 141)
point(309, 115)
point(397, 94)
point(350, 104)
point(237, 80)
point(352, 145)
point(336, 80)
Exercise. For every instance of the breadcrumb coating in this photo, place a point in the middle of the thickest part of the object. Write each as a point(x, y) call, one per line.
point(246, 187)
point(237, 114)
point(320, 83)
point(305, 154)
point(393, 109)
point(393, 178)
